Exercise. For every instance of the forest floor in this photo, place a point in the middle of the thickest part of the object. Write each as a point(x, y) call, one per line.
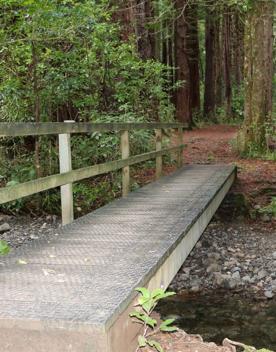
point(256, 182)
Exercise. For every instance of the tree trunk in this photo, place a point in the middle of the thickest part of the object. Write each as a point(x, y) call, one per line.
point(219, 60)
point(238, 48)
point(142, 13)
point(227, 61)
point(210, 72)
point(182, 96)
point(193, 57)
point(258, 75)
point(135, 17)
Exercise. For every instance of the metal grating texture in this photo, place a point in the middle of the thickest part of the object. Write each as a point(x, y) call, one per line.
point(87, 272)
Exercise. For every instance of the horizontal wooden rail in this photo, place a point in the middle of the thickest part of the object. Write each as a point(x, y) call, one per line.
point(52, 128)
point(12, 193)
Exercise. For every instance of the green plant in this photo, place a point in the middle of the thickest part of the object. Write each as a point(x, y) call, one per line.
point(4, 247)
point(270, 209)
point(146, 303)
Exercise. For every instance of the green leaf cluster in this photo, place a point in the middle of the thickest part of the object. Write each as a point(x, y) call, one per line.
point(4, 247)
point(147, 301)
point(68, 58)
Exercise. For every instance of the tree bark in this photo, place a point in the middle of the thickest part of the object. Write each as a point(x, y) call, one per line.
point(258, 76)
point(238, 48)
point(210, 64)
point(193, 57)
point(142, 13)
point(219, 60)
point(227, 61)
point(182, 96)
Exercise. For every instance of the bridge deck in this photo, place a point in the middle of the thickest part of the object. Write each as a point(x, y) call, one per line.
point(76, 288)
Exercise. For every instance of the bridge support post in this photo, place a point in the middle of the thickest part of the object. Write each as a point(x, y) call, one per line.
point(65, 162)
point(126, 170)
point(159, 160)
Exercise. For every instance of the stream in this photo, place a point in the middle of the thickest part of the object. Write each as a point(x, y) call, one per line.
point(217, 316)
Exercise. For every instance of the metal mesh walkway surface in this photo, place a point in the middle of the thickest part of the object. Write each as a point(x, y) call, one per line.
point(77, 284)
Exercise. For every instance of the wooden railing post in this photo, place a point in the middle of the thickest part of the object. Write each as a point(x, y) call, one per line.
point(125, 155)
point(180, 143)
point(159, 160)
point(65, 162)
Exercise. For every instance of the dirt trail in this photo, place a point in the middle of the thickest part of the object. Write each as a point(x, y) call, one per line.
point(216, 144)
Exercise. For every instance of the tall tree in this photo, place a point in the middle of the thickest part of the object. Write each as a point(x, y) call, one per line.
point(227, 21)
point(258, 74)
point(143, 13)
point(193, 56)
point(182, 96)
point(210, 63)
point(238, 47)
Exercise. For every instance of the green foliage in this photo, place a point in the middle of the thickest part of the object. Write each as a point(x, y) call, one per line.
point(68, 57)
point(253, 349)
point(270, 209)
point(65, 60)
point(4, 248)
point(147, 301)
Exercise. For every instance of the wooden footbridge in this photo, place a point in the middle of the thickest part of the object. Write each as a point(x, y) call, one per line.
point(76, 289)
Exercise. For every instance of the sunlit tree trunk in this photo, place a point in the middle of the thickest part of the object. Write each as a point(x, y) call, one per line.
point(258, 75)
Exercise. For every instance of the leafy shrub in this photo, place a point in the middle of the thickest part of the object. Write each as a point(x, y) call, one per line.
point(4, 248)
point(270, 209)
point(147, 302)
point(64, 60)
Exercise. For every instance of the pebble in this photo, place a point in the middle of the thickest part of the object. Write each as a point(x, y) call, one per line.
point(246, 278)
point(248, 263)
point(213, 268)
point(262, 274)
point(269, 294)
point(236, 275)
point(5, 227)
point(17, 230)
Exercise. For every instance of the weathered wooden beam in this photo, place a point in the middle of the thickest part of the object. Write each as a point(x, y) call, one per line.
point(11, 193)
point(158, 142)
point(48, 128)
point(126, 169)
point(65, 162)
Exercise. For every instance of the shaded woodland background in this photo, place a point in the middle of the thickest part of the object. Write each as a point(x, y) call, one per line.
point(197, 61)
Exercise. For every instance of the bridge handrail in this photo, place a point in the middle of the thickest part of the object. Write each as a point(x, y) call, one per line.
point(19, 129)
point(67, 176)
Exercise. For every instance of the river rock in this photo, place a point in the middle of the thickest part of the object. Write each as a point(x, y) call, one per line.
point(274, 255)
point(246, 279)
point(214, 256)
point(269, 294)
point(195, 289)
point(213, 268)
point(218, 278)
point(229, 282)
point(262, 274)
point(5, 227)
point(236, 276)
